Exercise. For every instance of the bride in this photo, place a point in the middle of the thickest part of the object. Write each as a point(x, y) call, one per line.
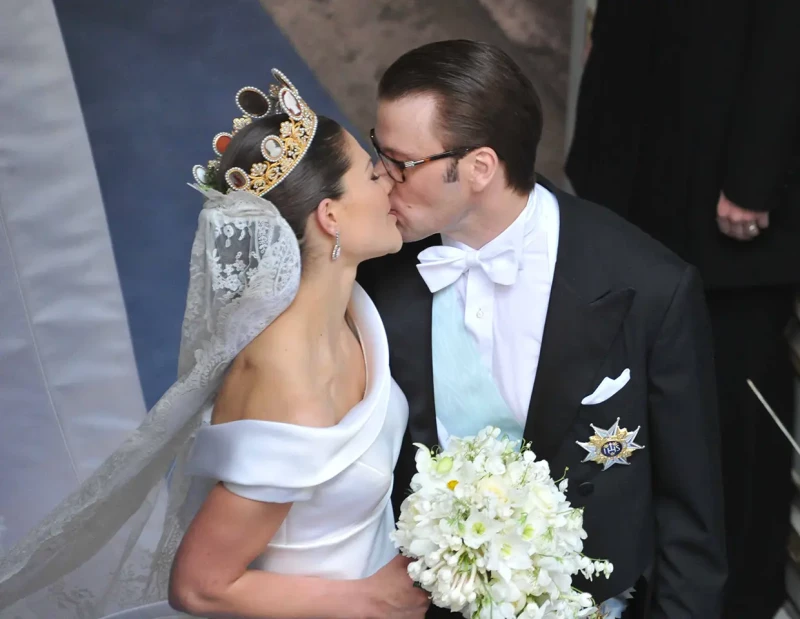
point(284, 425)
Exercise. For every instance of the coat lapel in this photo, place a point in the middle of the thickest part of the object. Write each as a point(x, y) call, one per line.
point(584, 316)
point(422, 412)
point(577, 338)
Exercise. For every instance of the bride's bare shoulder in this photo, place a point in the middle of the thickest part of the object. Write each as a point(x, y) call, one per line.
point(270, 381)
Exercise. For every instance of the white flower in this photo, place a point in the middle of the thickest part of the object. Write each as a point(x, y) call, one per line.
point(541, 499)
point(505, 591)
point(415, 569)
point(495, 465)
point(479, 528)
point(534, 611)
point(496, 485)
point(507, 553)
point(422, 546)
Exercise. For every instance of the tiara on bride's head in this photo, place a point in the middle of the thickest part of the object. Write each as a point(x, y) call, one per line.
point(281, 152)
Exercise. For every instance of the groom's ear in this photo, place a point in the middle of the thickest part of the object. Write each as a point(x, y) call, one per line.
point(484, 167)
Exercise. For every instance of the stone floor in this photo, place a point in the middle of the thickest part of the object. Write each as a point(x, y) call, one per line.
point(348, 44)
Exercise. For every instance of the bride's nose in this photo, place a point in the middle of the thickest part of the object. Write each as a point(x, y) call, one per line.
point(386, 181)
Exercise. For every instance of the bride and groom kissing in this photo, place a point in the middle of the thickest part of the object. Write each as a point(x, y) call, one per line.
point(342, 309)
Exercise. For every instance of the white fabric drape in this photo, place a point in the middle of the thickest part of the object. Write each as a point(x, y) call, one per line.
point(69, 388)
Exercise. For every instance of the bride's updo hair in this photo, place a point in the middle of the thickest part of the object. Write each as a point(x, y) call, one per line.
point(317, 176)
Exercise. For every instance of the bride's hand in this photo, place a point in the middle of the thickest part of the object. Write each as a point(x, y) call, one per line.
point(392, 595)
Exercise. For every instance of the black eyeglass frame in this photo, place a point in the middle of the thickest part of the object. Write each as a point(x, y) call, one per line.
point(407, 165)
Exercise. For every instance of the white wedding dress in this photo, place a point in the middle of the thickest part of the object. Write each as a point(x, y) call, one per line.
point(339, 479)
point(93, 555)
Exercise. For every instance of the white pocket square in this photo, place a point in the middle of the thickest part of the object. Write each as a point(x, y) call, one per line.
point(607, 388)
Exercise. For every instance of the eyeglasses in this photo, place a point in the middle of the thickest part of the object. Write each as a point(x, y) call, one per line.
point(397, 169)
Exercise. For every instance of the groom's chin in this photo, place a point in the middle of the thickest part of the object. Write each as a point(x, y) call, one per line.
point(417, 238)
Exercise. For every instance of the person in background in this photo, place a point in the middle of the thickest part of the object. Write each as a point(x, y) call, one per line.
point(687, 126)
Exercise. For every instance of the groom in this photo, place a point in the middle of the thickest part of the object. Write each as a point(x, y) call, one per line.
point(515, 304)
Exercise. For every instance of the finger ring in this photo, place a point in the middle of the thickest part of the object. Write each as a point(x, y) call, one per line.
point(752, 228)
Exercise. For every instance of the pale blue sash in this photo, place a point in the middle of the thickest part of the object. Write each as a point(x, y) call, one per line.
point(465, 394)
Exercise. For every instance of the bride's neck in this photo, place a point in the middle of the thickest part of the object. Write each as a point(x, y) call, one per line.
point(322, 300)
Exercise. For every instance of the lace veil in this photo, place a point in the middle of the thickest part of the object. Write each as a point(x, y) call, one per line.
point(109, 545)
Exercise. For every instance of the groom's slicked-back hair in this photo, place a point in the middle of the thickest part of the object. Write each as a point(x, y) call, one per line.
point(483, 99)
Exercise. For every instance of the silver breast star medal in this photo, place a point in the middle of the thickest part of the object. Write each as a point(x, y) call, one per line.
point(612, 446)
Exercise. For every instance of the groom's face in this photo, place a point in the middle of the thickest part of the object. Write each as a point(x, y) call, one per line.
point(431, 199)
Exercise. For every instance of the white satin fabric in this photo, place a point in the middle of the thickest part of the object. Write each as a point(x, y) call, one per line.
point(65, 349)
point(339, 478)
point(442, 265)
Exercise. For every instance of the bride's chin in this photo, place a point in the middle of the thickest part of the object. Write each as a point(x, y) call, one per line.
point(394, 243)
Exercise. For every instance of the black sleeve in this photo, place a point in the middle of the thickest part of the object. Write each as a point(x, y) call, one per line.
point(690, 568)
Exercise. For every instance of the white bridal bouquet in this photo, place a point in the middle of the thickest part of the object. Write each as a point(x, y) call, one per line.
point(492, 534)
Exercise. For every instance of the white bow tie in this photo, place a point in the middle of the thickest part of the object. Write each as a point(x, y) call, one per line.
point(442, 265)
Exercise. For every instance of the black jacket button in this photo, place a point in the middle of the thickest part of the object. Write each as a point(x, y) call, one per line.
point(586, 488)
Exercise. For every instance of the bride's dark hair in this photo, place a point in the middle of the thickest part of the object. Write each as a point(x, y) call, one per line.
point(317, 176)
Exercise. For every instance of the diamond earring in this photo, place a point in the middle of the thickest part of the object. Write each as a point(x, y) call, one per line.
point(337, 248)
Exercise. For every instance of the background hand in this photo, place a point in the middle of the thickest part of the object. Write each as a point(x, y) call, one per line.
point(739, 223)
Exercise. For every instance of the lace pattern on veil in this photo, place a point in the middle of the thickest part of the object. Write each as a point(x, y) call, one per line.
point(93, 554)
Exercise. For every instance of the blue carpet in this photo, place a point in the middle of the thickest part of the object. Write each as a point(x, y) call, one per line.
point(156, 81)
